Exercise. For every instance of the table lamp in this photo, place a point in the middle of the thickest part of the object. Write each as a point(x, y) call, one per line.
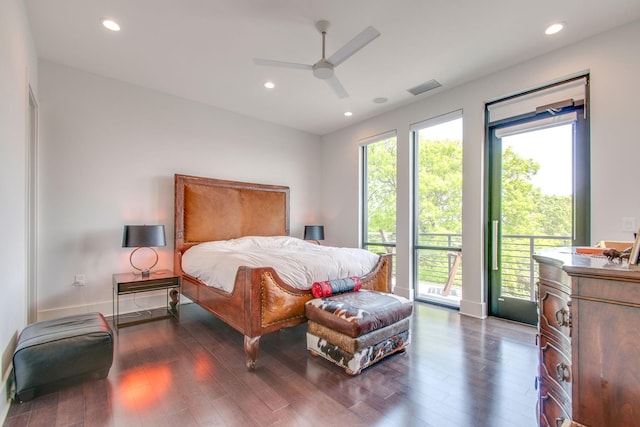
point(143, 236)
point(314, 233)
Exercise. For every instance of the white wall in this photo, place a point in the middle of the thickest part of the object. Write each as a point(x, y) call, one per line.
point(108, 155)
point(18, 65)
point(613, 60)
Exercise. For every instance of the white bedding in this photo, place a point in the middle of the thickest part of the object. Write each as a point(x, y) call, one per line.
point(297, 262)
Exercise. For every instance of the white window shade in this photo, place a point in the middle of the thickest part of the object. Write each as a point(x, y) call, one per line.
point(574, 90)
point(540, 124)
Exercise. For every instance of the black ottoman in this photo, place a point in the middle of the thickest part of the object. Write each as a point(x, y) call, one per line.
point(56, 353)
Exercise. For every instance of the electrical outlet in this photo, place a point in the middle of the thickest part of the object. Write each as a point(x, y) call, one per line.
point(628, 224)
point(79, 280)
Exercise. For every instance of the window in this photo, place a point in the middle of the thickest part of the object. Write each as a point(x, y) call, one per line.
point(437, 227)
point(379, 159)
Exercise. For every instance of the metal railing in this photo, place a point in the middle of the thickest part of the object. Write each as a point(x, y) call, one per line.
point(519, 273)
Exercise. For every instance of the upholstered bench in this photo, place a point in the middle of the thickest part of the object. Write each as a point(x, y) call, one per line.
point(357, 329)
point(56, 353)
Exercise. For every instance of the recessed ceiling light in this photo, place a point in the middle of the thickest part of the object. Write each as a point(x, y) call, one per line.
point(269, 85)
point(110, 24)
point(554, 28)
point(380, 100)
point(348, 113)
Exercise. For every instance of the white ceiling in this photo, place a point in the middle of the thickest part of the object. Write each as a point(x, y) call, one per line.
point(203, 49)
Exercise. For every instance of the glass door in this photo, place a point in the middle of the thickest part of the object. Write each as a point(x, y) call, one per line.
point(538, 198)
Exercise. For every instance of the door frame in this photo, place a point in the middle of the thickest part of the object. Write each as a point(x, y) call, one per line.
point(31, 208)
point(526, 311)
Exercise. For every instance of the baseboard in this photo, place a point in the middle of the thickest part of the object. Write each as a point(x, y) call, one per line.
point(7, 366)
point(6, 400)
point(130, 303)
point(403, 292)
point(473, 309)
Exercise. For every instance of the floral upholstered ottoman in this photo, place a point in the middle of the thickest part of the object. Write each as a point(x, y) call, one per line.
point(357, 329)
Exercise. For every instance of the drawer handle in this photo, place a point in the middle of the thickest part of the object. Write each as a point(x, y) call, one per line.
point(562, 372)
point(563, 317)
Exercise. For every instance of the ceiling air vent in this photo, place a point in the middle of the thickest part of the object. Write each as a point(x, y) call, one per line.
point(424, 87)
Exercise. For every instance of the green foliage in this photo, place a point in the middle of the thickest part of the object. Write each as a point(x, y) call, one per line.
point(439, 195)
point(382, 186)
point(525, 209)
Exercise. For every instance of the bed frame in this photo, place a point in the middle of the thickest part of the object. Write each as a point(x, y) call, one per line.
point(261, 302)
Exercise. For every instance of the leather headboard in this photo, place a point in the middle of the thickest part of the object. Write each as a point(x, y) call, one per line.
point(209, 209)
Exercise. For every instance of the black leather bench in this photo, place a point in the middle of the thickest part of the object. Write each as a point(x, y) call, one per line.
point(56, 353)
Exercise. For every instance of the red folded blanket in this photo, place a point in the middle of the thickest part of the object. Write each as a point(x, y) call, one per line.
point(335, 287)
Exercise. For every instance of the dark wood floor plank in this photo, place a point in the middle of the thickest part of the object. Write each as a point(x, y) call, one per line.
point(458, 371)
point(70, 408)
point(18, 420)
point(231, 413)
point(264, 391)
point(205, 414)
point(287, 416)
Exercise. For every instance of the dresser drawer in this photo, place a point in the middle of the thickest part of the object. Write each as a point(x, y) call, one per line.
point(555, 316)
point(554, 408)
point(555, 365)
point(555, 277)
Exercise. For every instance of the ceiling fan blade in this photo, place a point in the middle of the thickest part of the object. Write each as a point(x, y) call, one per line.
point(357, 43)
point(282, 64)
point(337, 87)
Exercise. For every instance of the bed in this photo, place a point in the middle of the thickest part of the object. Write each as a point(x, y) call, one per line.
point(260, 301)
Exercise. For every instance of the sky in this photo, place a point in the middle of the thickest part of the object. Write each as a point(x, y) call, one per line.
point(550, 147)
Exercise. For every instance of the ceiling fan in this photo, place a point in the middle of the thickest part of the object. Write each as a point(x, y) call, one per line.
point(324, 68)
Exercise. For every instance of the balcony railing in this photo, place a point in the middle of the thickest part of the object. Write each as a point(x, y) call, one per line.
point(435, 262)
point(519, 274)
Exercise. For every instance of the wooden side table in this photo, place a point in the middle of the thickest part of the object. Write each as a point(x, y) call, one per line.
point(129, 283)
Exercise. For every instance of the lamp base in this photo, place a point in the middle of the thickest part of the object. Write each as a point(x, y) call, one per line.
point(144, 272)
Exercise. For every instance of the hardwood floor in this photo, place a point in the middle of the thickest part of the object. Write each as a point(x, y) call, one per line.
point(458, 371)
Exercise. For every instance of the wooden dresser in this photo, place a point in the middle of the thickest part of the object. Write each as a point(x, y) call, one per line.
point(589, 340)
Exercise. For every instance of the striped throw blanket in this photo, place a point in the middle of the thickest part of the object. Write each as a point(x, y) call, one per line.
point(335, 287)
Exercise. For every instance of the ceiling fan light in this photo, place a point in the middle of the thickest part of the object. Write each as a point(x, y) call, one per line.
point(323, 69)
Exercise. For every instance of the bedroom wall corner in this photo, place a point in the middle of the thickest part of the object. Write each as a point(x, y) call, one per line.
point(109, 153)
point(18, 70)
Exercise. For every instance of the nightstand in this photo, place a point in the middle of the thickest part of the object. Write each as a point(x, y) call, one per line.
point(129, 283)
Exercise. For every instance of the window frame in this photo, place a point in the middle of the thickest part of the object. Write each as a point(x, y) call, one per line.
point(415, 246)
point(364, 205)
